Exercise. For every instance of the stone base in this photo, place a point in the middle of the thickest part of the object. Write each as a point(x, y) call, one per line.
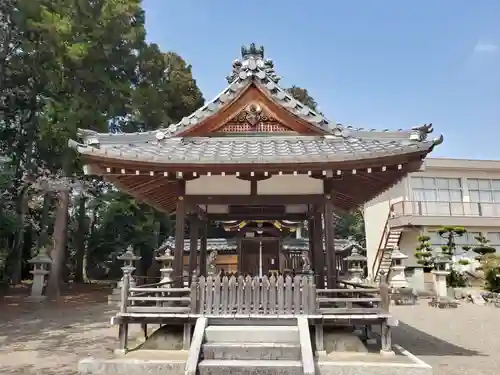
point(165, 362)
point(131, 367)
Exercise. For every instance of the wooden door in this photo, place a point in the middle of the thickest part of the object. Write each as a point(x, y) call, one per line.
point(249, 257)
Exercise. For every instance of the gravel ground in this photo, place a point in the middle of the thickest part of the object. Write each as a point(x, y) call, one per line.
point(463, 341)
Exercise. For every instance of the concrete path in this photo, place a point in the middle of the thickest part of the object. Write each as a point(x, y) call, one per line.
point(462, 341)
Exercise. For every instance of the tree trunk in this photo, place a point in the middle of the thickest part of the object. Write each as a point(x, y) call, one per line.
point(58, 253)
point(43, 238)
point(80, 240)
point(17, 248)
point(91, 229)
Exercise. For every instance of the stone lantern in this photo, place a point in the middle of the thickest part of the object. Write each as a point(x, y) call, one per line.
point(166, 269)
point(40, 270)
point(398, 278)
point(129, 259)
point(355, 261)
point(440, 272)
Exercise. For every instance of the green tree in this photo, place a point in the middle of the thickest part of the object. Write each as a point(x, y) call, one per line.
point(490, 263)
point(351, 225)
point(450, 249)
point(302, 95)
point(424, 252)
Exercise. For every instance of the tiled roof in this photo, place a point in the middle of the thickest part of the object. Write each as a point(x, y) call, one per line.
point(338, 142)
point(272, 149)
point(231, 244)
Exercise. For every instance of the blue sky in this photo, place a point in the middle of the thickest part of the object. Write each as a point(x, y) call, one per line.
point(373, 64)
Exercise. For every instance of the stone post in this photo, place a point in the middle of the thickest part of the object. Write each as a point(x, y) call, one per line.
point(440, 272)
point(166, 269)
point(398, 277)
point(129, 259)
point(355, 261)
point(40, 270)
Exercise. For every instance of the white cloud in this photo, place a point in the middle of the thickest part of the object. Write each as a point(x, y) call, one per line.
point(485, 47)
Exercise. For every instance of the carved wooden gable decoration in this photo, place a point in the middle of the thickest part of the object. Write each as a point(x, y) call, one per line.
point(251, 112)
point(253, 119)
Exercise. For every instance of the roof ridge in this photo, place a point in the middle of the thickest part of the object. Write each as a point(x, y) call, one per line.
point(254, 68)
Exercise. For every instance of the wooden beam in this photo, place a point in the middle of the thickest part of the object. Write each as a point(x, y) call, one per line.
point(194, 231)
point(319, 255)
point(248, 200)
point(203, 247)
point(253, 187)
point(251, 216)
point(329, 245)
point(310, 229)
point(180, 216)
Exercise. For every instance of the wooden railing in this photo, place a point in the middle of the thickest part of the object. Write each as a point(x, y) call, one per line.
point(255, 296)
point(158, 298)
point(353, 297)
point(247, 296)
point(447, 209)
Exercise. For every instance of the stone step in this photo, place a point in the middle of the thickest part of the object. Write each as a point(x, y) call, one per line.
point(255, 350)
point(252, 334)
point(246, 367)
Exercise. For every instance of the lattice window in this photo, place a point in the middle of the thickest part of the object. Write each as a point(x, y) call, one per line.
point(263, 127)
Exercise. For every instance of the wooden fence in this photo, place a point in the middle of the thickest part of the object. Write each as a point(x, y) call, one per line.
point(255, 296)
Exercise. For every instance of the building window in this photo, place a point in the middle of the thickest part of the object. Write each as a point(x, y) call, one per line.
point(484, 196)
point(430, 189)
point(484, 191)
point(437, 196)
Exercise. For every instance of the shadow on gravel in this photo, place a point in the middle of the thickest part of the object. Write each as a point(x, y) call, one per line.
point(420, 343)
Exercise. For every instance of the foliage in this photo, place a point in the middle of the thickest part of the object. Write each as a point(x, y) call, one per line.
point(455, 279)
point(66, 65)
point(302, 95)
point(491, 267)
point(424, 252)
point(483, 248)
point(351, 225)
point(490, 263)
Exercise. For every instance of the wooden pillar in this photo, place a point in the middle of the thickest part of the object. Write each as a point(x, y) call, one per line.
point(310, 229)
point(203, 247)
point(194, 229)
point(180, 218)
point(331, 265)
point(319, 255)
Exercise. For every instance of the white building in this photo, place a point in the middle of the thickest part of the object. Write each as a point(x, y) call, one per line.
point(452, 192)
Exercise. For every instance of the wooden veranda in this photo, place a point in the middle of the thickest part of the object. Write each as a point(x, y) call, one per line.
point(281, 297)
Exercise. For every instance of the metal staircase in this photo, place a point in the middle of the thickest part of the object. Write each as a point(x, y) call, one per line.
point(389, 241)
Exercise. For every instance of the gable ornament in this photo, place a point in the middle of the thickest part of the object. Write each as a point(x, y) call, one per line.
point(253, 114)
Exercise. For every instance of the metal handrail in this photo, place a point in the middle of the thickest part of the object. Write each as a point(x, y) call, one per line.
point(445, 208)
point(381, 247)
